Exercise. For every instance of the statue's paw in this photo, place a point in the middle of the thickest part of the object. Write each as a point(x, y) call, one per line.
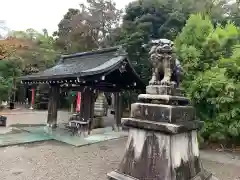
point(173, 83)
point(154, 82)
point(165, 82)
point(151, 82)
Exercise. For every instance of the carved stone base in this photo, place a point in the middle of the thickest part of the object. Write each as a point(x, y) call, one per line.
point(162, 113)
point(162, 142)
point(163, 90)
point(157, 156)
point(163, 99)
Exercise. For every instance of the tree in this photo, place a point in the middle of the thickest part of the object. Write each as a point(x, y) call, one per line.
point(10, 68)
point(24, 53)
point(145, 20)
point(38, 51)
point(210, 59)
point(3, 51)
point(190, 44)
point(151, 19)
point(233, 12)
point(11, 46)
point(88, 27)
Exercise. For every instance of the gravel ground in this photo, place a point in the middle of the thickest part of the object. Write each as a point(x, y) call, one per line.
point(55, 161)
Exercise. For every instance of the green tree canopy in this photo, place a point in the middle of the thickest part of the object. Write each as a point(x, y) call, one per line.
point(9, 69)
point(210, 59)
point(39, 53)
point(152, 19)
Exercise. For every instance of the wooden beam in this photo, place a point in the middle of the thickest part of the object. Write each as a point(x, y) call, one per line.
point(102, 88)
point(53, 106)
point(77, 88)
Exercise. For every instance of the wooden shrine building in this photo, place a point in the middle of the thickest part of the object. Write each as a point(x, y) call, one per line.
point(107, 70)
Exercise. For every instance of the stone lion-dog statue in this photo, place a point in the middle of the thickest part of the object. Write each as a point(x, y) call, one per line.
point(166, 68)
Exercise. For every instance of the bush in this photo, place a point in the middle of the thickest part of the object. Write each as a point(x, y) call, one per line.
point(210, 59)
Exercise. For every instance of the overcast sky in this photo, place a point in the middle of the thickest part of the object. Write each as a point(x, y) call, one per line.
point(39, 14)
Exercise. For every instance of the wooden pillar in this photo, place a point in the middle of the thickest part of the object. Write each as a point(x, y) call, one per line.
point(53, 106)
point(92, 102)
point(32, 98)
point(25, 96)
point(112, 102)
point(118, 108)
point(82, 104)
point(87, 102)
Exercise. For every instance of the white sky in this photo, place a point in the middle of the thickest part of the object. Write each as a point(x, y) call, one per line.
point(39, 14)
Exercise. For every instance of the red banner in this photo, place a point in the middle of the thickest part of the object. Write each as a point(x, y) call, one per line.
point(78, 106)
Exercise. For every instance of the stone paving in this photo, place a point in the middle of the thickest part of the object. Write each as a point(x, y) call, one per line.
point(32, 117)
point(34, 123)
point(25, 116)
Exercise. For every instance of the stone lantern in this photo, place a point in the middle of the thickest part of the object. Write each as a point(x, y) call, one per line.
point(162, 142)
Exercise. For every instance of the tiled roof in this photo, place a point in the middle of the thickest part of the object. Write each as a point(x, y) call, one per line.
point(81, 64)
point(105, 69)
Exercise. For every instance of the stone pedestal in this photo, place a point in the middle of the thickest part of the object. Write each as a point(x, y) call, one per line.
point(162, 142)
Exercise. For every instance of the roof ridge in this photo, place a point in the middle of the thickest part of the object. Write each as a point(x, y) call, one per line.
point(98, 51)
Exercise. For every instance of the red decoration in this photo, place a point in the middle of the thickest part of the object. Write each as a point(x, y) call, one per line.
point(78, 106)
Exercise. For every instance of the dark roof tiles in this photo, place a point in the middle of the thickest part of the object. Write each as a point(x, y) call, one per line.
point(81, 64)
point(89, 66)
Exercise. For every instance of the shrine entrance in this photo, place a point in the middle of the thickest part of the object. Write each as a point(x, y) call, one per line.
point(106, 70)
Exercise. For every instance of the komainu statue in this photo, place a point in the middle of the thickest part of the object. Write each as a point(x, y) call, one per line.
point(162, 127)
point(165, 70)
